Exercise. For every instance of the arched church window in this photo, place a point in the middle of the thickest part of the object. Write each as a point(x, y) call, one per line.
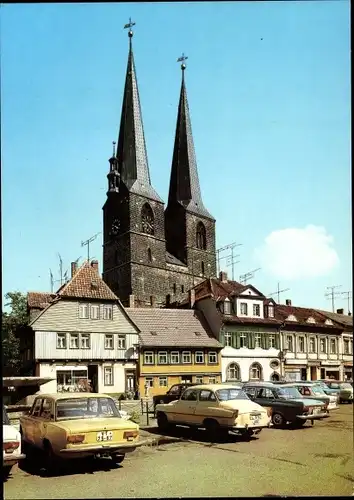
point(147, 219)
point(201, 236)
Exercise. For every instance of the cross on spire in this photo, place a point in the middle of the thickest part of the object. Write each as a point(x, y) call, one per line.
point(182, 59)
point(129, 25)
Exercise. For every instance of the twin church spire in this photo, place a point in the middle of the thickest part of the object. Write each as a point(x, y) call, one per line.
point(129, 163)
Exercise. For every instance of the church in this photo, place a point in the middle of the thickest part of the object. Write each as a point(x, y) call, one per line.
point(153, 255)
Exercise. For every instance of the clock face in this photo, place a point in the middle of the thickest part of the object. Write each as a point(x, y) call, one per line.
point(115, 226)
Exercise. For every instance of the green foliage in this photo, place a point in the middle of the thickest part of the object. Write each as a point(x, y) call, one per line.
point(12, 322)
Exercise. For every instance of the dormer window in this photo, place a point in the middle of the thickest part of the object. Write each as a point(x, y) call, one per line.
point(243, 308)
point(310, 320)
point(270, 311)
point(291, 317)
point(328, 322)
point(227, 306)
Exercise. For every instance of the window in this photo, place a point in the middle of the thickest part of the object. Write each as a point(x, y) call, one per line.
point(147, 219)
point(201, 236)
point(243, 308)
point(108, 375)
point(85, 341)
point(333, 346)
point(186, 357)
point(257, 340)
point(198, 379)
point(47, 409)
point(270, 311)
point(61, 340)
point(95, 311)
point(174, 288)
point(108, 342)
point(266, 393)
point(312, 345)
point(256, 310)
point(227, 307)
point(233, 372)
point(227, 338)
point(271, 340)
point(83, 311)
point(190, 395)
point(182, 288)
point(174, 358)
point(76, 379)
point(212, 357)
point(202, 267)
point(108, 311)
point(301, 344)
point(162, 381)
point(149, 255)
point(74, 340)
point(149, 382)
point(162, 358)
point(121, 341)
point(148, 358)
point(289, 343)
point(199, 357)
point(36, 408)
point(212, 380)
point(346, 346)
point(322, 345)
point(255, 372)
point(243, 340)
point(207, 396)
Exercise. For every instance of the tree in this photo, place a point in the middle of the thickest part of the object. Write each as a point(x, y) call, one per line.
point(12, 322)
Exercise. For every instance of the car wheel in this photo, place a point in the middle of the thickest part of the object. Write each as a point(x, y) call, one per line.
point(51, 460)
point(278, 420)
point(118, 459)
point(299, 423)
point(162, 421)
point(212, 427)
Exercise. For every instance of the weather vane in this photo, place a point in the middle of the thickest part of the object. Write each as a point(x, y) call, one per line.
point(129, 25)
point(182, 59)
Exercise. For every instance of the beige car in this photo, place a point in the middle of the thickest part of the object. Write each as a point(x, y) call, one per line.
point(217, 408)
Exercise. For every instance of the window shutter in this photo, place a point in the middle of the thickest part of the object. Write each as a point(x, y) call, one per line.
point(265, 341)
point(236, 340)
point(277, 343)
point(251, 342)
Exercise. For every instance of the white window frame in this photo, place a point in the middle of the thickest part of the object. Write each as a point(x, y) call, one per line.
point(243, 340)
point(107, 312)
point(227, 307)
point(210, 354)
point(147, 355)
point(271, 311)
point(289, 344)
point(189, 355)
point(199, 379)
point(121, 341)
point(173, 356)
point(84, 312)
point(63, 338)
point(150, 381)
point(333, 343)
point(108, 372)
point(257, 340)
point(74, 336)
point(312, 345)
point(243, 308)
point(109, 341)
point(227, 338)
point(323, 340)
point(85, 336)
point(199, 354)
point(212, 380)
point(236, 368)
point(255, 367)
point(95, 307)
point(303, 348)
point(164, 380)
point(271, 340)
point(164, 355)
point(346, 342)
point(257, 307)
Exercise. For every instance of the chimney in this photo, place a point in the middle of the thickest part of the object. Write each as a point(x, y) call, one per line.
point(288, 302)
point(152, 300)
point(191, 296)
point(131, 301)
point(73, 268)
point(94, 264)
point(223, 276)
point(340, 311)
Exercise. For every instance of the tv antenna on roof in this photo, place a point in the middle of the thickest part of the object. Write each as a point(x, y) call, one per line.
point(331, 294)
point(247, 276)
point(278, 292)
point(230, 256)
point(349, 297)
point(87, 243)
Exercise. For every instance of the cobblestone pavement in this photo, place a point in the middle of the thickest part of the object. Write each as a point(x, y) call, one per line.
point(309, 461)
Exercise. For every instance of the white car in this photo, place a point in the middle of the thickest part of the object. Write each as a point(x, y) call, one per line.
point(11, 443)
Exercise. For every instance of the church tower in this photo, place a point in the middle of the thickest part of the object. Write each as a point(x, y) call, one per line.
point(189, 226)
point(134, 247)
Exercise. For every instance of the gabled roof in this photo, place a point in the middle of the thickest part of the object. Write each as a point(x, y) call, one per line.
point(172, 328)
point(302, 314)
point(39, 300)
point(342, 319)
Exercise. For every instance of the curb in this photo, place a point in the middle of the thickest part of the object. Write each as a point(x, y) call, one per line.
point(161, 440)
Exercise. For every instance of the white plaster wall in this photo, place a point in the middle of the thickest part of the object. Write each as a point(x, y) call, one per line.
point(47, 370)
point(245, 358)
point(118, 377)
point(249, 302)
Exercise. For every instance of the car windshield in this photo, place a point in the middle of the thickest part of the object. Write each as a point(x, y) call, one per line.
point(332, 385)
point(346, 385)
point(288, 392)
point(5, 417)
point(74, 408)
point(317, 389)
point(229, 394)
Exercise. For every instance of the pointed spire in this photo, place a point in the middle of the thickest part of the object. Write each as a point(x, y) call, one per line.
point(184, 181)
point(131, 149)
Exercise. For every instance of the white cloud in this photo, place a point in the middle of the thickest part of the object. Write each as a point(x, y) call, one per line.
point(298, 253)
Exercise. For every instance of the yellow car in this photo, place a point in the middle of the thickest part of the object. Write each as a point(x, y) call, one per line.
point(217, 408)
point(77, 425)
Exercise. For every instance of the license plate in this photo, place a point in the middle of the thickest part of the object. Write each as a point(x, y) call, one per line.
point(104, 436)
point(255, 419)
point(316, 410)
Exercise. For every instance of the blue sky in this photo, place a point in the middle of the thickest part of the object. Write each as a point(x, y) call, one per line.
point(269, 93)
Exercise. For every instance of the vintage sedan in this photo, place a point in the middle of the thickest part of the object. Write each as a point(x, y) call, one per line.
point(172, 394)
point(315, 391)
point(11, 444)
point(77, 425)
point(345, 390)
point(216, 407)
point(285, 403)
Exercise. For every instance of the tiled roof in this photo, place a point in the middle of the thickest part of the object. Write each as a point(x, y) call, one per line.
point(343, 319)
point(301, 314)
point(216, 289)
point(39, 300)
point(228, 318)
point(172, 328)
point(87, 284)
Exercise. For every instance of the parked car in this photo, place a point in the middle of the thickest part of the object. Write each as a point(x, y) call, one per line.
point(345, 390)
point(314, 391)
point(285, 403)
point(172, 394)
point(216, 407)
point(11, 444)
point(327, 390)
point(77, 425)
